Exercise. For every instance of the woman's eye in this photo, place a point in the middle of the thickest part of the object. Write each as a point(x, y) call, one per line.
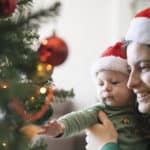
point(145, 68)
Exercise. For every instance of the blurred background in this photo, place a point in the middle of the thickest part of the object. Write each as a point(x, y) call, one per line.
point(88, 27)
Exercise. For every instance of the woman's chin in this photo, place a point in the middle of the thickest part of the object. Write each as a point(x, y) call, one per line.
point(144, 108)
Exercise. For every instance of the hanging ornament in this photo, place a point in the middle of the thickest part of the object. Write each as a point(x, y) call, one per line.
point(53, 50)
point(18, 107)
point(7, 7)
point(46, 116)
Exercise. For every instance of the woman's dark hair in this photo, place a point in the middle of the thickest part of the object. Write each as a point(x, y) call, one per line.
point(126, 43)
point(143, 122)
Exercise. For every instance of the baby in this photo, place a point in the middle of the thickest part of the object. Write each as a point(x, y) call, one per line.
point(111, 75)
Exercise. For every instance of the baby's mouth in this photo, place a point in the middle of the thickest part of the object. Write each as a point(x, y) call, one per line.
point(108, 98)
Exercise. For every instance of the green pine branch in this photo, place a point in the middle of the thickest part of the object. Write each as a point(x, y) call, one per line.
point(33, 20)
point(24, 2)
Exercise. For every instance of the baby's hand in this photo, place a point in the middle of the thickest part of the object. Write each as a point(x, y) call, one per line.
point(53, 128)
point(31, 130)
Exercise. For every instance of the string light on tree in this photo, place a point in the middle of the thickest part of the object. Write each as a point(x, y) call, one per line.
point(43, 90)
point(43, 72)
point(3, 85)
point(4, 145)
point(32, 99)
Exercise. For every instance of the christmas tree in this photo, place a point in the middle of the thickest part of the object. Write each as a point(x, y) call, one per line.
point(26, 85)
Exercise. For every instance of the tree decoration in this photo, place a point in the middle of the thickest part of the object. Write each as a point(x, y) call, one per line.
point(45, 117)
point(42, 72)
point(18, 107)
point(7, 7)
point(53, 50)
point(26, 85)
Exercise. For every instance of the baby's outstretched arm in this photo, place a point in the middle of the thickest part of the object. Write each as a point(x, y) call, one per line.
point(72, 123)
point(53, 128)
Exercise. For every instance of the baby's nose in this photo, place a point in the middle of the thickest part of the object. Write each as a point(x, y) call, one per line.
point(107, 87)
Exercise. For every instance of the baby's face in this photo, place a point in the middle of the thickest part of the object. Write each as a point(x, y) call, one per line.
point(112, 89)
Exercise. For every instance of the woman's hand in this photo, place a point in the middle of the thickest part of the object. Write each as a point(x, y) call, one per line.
point(104, 132)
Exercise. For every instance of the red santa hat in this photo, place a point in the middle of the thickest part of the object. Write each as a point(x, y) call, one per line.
point(113, 58)
point(139, 29)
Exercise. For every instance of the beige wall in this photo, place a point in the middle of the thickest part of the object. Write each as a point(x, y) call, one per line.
point(88, 26)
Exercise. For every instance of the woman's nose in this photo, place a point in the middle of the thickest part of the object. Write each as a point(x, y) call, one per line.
point(134, 80)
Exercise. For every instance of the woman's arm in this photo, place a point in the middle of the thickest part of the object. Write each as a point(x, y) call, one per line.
point(105, 133)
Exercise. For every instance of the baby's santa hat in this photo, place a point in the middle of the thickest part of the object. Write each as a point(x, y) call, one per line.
point(113, 58)
point(139, 29)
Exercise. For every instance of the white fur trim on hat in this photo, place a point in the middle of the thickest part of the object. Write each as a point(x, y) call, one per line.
point(109, 63)
point(139, 30)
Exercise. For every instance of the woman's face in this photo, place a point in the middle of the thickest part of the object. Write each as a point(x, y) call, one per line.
point(138, 57)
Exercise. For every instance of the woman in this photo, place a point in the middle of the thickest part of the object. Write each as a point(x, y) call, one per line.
point(138, 58)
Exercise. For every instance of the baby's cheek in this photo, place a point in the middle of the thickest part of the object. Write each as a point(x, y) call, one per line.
point(99, 100)
point(99, 97)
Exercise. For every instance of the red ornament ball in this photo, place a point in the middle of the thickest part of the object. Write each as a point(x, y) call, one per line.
point(7, 7)
point(53, 50)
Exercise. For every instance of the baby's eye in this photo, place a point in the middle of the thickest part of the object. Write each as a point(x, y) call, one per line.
point(114, 82)
point(129, 69)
